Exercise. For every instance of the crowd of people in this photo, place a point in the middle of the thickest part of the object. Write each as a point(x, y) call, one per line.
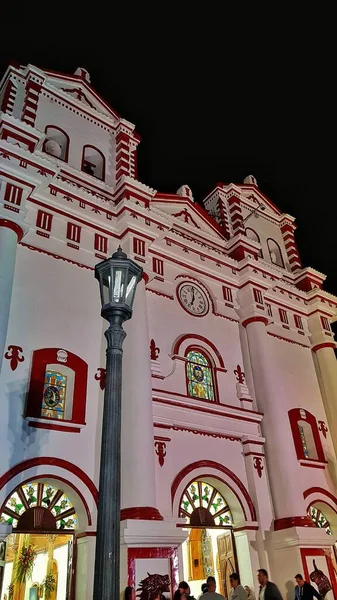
point(267, 591)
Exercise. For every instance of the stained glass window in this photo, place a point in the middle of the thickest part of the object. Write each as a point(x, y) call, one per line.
point(304, 441)
point(32, 495)
point(319, 519)
point(199, 495)
point(54, 395)
point(199, 376)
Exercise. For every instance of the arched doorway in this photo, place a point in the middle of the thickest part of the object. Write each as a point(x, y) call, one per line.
point(210, 548)
point(39, 551)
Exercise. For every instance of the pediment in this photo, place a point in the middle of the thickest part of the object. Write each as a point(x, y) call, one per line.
point(189, 215)
point(79, 88)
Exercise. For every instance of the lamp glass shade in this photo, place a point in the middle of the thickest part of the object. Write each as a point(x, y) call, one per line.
point(118, 278)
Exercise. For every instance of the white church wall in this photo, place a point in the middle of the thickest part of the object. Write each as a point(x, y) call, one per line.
point(44, 315)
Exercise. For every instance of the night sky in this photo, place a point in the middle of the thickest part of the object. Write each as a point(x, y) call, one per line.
point(214, 96)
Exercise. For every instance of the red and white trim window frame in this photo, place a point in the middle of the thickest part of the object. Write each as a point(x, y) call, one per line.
point(72, 375)
point(44, 220)
point(306, 435)
point(203, 367)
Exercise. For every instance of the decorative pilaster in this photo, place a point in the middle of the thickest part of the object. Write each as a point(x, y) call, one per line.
point(287, 499)
point(126, 145)
point(288, 230)
point(32, 91)
point(10, 234)
point(138, 466)
point(235, 214)
point(323, 348)
point(8, 99)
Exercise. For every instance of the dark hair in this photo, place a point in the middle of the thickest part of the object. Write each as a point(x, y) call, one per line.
point(234, 576)
point(263, 572)
point(183, 585)
point(203, 587)
point(176, 595)
point(128, 592)
point(210, 579)
point(298, 576)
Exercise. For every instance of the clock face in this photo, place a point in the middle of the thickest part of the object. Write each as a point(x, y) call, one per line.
point(193, 299)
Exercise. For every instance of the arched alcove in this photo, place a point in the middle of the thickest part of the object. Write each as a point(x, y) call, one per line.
point(275, 253)
point(57, 142)
point(252, 235)
point(93, 162)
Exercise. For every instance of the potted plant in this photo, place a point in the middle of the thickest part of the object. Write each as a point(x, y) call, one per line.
point(48, 585)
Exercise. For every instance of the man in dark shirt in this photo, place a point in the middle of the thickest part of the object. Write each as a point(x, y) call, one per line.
point(304, 590)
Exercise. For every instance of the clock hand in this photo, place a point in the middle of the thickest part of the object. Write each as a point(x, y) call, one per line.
point(192, 296)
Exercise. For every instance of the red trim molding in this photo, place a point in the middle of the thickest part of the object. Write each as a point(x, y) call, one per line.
point(58, 478)
point(170, 553)
point(300, 414)
point(201, 338)
point(55, 462)
point(246, 322)
point(14, 226)
point(313, 552)
point(43, 357)
point(141, 513)
point(323, 345)
point(288, 522)
point(319, 490)
point(210, 464)
point(53, 426)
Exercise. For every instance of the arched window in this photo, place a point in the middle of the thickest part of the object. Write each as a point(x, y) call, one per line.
point(38, 506)
point(57, 390)
point(203, 505)
point(306, 436)
point(93, 162)
point(319, 519)
point(275, 253)
point(199, 373)
point(56, 142)
point(252, 235)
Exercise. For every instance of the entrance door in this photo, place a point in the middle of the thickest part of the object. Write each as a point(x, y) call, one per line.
point(227, 560)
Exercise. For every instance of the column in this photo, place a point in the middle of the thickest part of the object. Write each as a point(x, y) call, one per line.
point(326, 365)
point(288, 501)
point(138, 495)
point(10, 234)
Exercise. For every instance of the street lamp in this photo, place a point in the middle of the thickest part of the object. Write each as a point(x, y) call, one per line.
point(118, 277)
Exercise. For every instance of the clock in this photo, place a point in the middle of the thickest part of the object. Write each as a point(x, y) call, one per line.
point(193, 299)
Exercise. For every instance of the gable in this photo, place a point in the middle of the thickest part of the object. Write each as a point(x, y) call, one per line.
point(255, 195)
point(78, 87)
point(187, 214)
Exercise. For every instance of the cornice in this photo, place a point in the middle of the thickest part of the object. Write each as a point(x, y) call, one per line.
point(94, 112)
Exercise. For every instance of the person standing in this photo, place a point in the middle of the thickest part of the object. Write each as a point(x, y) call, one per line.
point(304, 590)
point(211, 594)
point(250, 593)
point(268, 590)
point(237, 592)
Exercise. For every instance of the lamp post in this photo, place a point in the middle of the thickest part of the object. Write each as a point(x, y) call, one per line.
point(118, 278)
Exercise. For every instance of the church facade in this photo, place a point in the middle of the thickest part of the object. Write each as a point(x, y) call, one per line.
point(229, 375)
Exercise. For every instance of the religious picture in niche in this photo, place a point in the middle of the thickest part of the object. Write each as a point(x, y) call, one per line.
point(199, 376)
point(54, 395)
point(304, 441)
